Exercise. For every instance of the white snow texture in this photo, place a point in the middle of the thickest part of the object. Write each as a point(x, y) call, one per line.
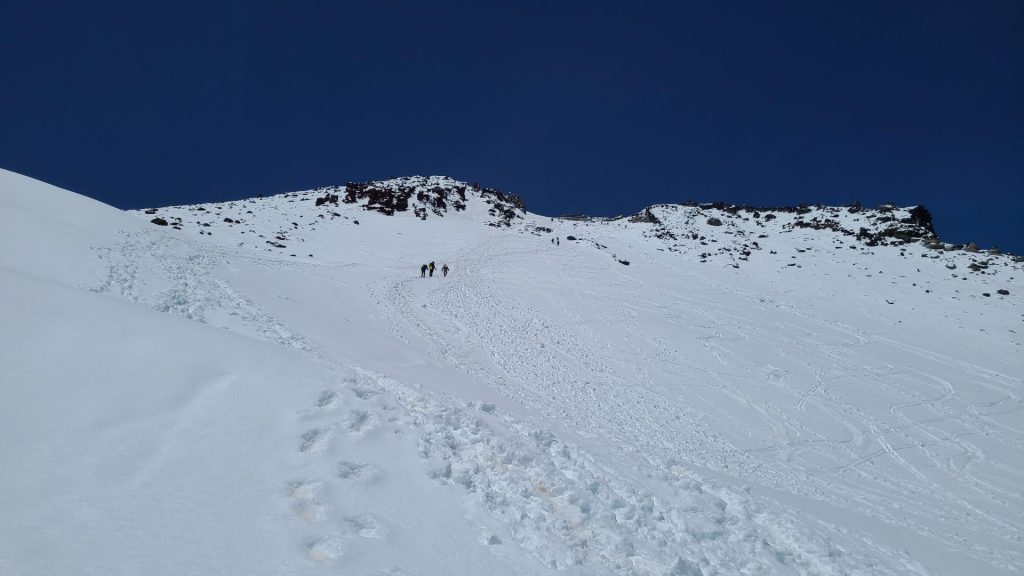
point(268, 386)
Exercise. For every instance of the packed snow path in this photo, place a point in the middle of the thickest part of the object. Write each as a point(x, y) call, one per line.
point(522, 485)
point(543, 408)
point(779, 399)
point(863, 426)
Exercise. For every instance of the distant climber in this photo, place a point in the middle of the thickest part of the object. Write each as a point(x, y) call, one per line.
point(431, 268)
point(423, 271)
point(444, 269)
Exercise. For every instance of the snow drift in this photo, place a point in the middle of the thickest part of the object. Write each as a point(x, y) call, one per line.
point(267, 386)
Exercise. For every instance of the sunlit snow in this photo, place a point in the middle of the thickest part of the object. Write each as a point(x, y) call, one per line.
point(268, 386)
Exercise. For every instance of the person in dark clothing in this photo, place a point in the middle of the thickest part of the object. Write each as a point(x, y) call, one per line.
point(423, 271)
point(431, 269)
point(444, 270)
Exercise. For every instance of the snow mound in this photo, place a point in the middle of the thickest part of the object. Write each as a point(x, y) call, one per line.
point(52, 233)
point(268, 386)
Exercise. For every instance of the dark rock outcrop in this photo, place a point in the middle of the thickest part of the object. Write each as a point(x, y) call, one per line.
point(424, 195)
point(920, 217)
point(327, 199)
point(646, 216)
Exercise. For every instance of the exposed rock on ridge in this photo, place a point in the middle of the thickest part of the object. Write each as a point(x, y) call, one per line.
point(428, 194)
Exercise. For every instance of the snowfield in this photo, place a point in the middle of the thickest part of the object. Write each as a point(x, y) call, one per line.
point(268, 386)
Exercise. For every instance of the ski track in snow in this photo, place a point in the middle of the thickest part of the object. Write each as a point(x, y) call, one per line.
point(819, 465)
point(555, 500)
point(194, 291)
point(549, 497)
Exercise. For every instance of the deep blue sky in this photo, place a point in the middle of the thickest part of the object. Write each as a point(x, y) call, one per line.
point(596, 107)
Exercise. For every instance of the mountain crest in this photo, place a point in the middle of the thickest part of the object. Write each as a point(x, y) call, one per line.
point(424, 195)
point(885, 225)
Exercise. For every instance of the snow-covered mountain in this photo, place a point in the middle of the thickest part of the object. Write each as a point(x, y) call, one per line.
point(268, 386)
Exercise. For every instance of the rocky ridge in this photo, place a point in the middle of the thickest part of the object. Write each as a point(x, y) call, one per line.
point(706, 231)
point(738, 231)
point(424, 195)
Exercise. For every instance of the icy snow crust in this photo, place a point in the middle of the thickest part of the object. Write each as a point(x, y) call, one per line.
point(271, 388)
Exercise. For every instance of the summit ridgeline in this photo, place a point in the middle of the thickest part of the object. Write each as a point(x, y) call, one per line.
point(423, 195)
point(695, 388)
point(704, 231)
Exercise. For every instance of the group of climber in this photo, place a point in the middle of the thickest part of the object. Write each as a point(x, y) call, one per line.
point(429, 268)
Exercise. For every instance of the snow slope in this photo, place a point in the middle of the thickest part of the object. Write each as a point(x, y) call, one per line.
point(267, 386)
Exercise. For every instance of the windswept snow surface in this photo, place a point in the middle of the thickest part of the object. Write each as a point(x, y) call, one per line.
point(268, 387)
